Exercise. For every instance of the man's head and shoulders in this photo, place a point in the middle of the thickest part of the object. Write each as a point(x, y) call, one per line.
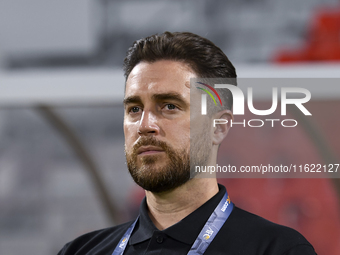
point(160, 143)
point(164, 138)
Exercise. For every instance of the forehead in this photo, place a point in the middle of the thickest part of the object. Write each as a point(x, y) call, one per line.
point(164, 76)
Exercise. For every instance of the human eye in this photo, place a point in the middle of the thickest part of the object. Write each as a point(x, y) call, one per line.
point(134, 109)
point(170, 106)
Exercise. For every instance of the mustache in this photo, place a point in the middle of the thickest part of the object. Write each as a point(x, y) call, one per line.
point(151, 141)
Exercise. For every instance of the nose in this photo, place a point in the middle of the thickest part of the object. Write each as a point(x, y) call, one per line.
point(148, 124)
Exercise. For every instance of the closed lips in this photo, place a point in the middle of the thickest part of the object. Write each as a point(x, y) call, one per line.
point(146, 149)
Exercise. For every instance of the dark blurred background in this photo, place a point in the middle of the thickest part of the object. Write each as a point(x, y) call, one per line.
point(62, 164)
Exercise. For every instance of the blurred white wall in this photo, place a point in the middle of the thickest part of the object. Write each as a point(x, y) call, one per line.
point(38, 27)
point(86, 86)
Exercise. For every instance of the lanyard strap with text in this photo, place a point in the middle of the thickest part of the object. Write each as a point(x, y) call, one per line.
point(205, 237)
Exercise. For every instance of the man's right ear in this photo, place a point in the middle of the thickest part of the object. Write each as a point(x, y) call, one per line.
point(221, 130)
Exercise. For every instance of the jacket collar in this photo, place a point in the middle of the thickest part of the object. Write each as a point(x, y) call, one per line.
point(185, 231)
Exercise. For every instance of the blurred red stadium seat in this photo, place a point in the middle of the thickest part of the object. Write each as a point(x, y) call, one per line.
point(323, 41)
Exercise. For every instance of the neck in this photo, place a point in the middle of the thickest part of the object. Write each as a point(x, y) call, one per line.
point(168, 208)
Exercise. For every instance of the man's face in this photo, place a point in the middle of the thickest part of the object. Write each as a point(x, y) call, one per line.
point(157, 124)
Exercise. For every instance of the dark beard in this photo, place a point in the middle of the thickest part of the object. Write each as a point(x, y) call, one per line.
point(174, 174)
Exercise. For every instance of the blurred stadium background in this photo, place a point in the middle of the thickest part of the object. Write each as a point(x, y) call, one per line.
point(62, 165)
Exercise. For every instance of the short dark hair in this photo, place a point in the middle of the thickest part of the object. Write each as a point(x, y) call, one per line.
point(204, 57)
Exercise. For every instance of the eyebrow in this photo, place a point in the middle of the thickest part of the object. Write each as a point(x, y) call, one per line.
point(132, 100)
point(169, 96)
point(157, 97)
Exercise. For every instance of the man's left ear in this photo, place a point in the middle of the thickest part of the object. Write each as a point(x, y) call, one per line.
point(225, 118)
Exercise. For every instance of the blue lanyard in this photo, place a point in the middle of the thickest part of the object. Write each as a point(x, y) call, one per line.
point(205, 237)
